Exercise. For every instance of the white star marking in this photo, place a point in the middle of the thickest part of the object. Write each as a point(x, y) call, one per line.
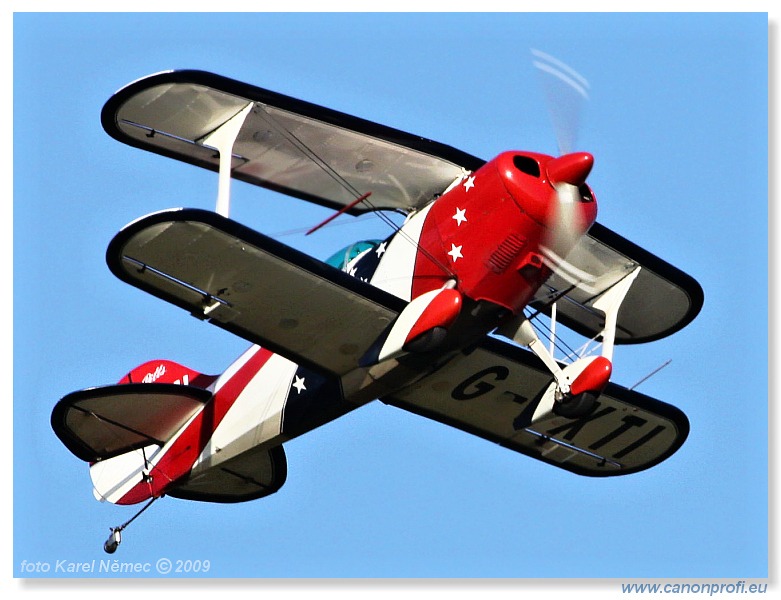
point(455, 252)
point(469, 183)
point(381, 249)
point(460, 215)
point(299, 384)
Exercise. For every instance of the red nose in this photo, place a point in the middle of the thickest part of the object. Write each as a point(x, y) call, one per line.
point(570, 168)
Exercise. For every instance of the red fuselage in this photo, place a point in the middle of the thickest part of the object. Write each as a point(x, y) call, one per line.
point(490, 231)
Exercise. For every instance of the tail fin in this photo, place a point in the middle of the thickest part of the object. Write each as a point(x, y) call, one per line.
point(167, 371)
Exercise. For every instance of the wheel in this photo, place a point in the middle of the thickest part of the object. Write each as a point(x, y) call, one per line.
point(574, 407)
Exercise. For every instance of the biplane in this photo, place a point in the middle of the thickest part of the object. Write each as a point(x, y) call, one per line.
point(436, 319)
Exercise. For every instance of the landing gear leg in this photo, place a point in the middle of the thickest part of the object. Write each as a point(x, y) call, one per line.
point(564, 402)
point(523, 333)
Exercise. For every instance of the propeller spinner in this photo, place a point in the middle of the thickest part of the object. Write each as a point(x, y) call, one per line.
point(572, 212)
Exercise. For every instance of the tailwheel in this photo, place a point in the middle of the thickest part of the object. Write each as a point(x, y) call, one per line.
point(575, 406)
point(115, 537)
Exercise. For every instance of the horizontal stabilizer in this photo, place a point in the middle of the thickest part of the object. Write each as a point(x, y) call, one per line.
point(254, 474)
point(103, 422)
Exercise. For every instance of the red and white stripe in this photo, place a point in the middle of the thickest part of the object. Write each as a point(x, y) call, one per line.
point(246, 410)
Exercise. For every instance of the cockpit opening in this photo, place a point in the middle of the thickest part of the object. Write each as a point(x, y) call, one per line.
point(342, 258)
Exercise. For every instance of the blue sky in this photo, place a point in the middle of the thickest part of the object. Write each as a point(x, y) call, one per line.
point(677, 122)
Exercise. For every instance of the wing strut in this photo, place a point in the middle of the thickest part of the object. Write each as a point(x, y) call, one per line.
point(609, 303)
point(223, 139)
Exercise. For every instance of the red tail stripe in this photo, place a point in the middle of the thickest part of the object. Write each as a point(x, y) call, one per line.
point(179, 458)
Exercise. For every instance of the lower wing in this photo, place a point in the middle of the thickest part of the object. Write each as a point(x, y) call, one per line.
point(253, 286)
point(493, 392)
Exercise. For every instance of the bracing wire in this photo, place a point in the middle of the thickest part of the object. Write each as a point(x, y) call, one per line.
point(544, 328)
point(333, 174)
point(110, 427)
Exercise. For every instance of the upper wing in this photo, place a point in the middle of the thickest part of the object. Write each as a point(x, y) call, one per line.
point(285, 144)
point(493, 392)
point(662, 300)
point(331, 158)
point(253, 286)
